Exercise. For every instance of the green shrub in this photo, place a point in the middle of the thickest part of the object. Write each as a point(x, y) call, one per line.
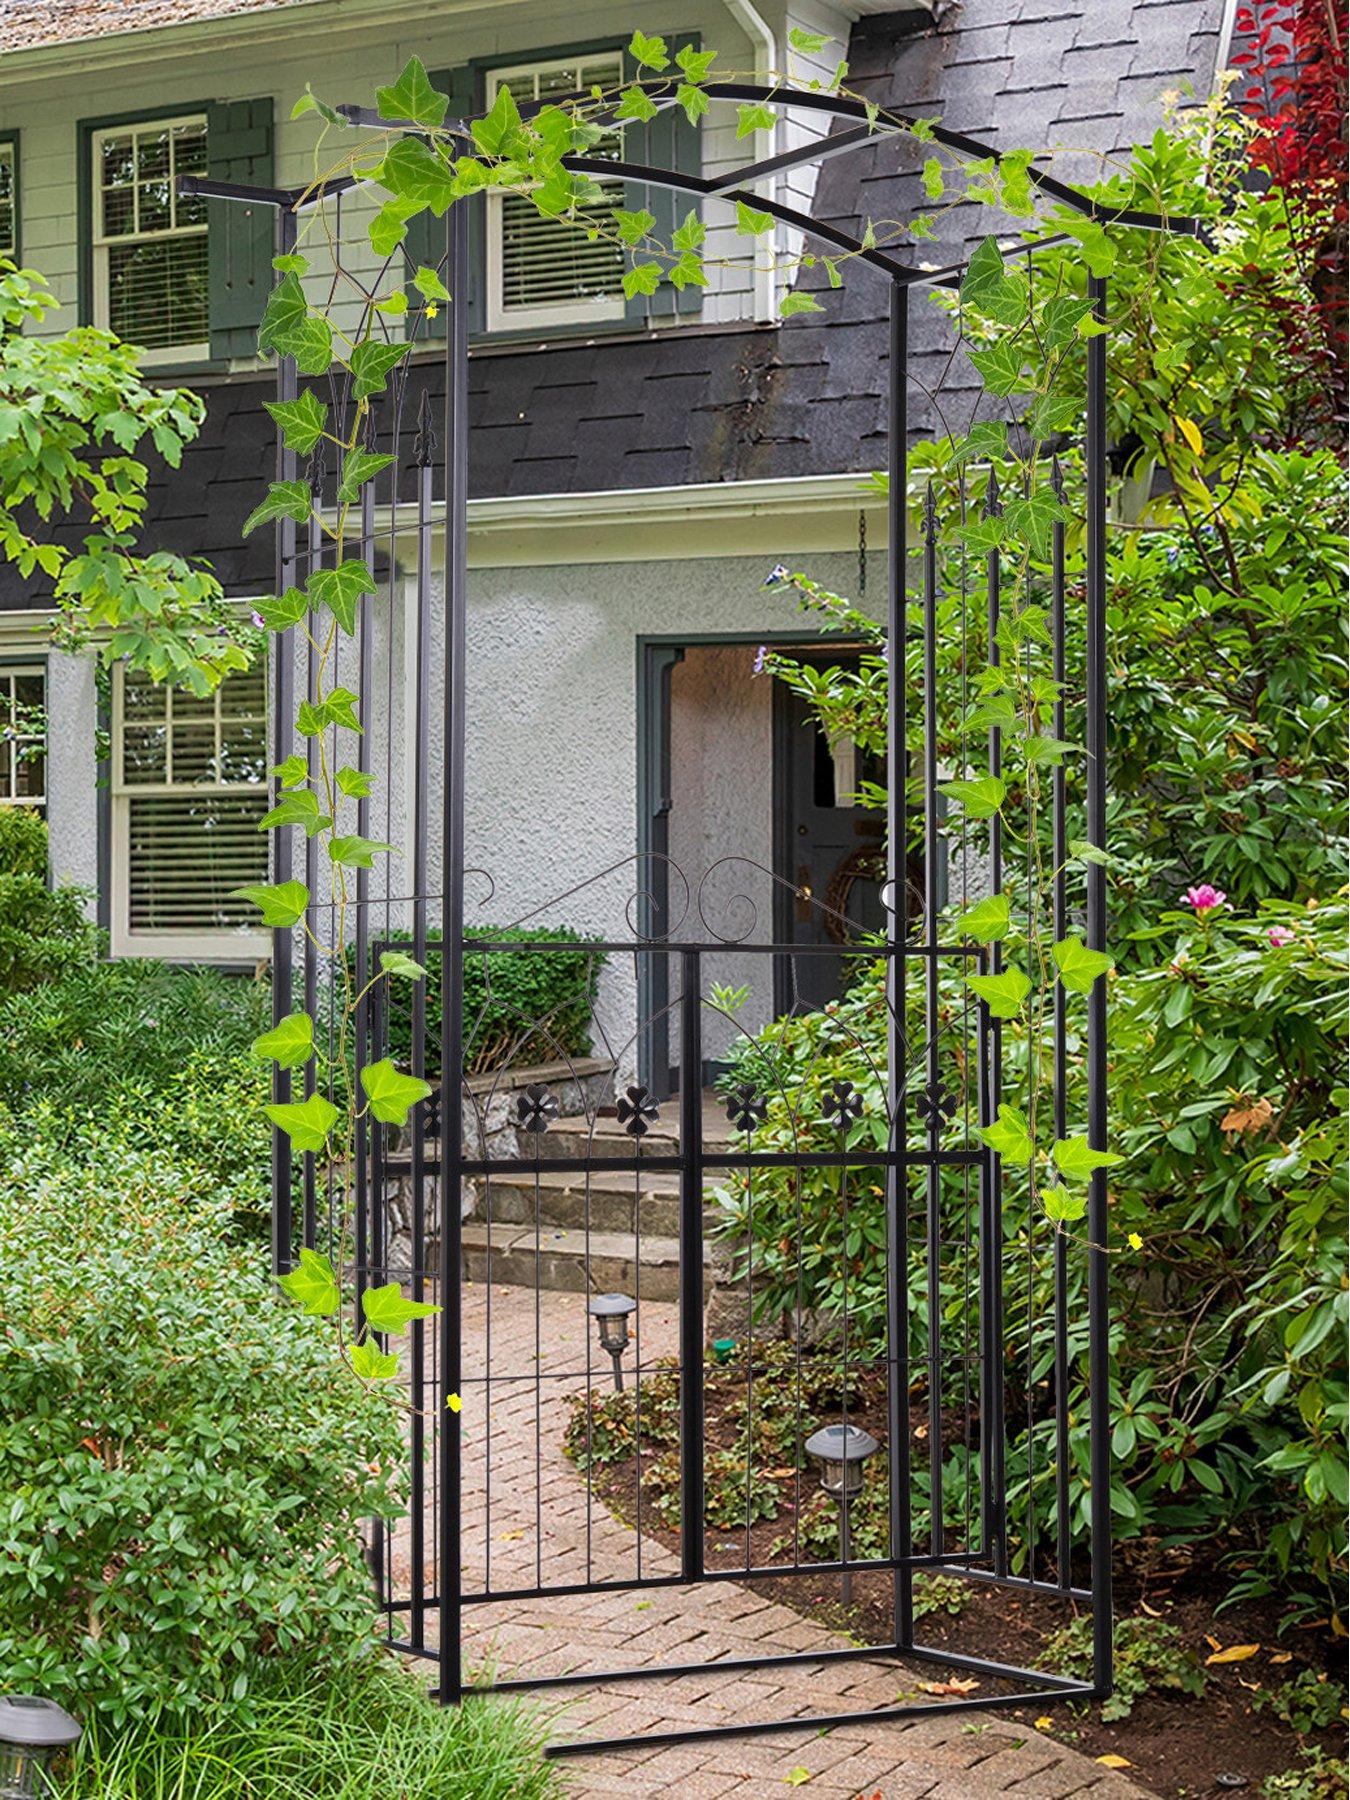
point(520, 1007)
point(1317, 1777)
point(184, 1478)
point(43, 932)
point(1149, 1655)
point(316, 1736)
point(23, 842)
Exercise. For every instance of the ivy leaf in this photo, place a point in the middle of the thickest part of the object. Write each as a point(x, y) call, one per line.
point(309, 102)
point(392, 1095)
point(798, 302)
point(1083, 850)
point(986, 441)
point(285, 610)
point(808, 42)
point(370, 366)
point(418, 178)
point(633, 226)
point(921, 130)
point(980, 799)
point(285, 500)
point(373, 1364)
point(1002, 994)
point(395, 962)
point(1033, 519)
point(339, 589)
point(642, 278)
point(1000, 369)
point(297, 809)
point(1009, 1135)
point(282, 904)
point(1052, 750)
point(688, 269)
point(1061, 1206)
point(1051, 413)
point(1061, 319)
point(1076, 1158)
point(981, 536)
point(291, 772)
point(988, 289)
point(313, 1284)
point(497, 133)
point(290, 329)
point(301, 422)
point(429, 284)
point(389, 226)
point(691, 234)
point(359, 467)
point(933, 178)
point(394, 305)
point(354, 852)
point(649, 51)
point(1099, 253)
point(987, 920)
point(306, 1123)
point(387, 1310)
point(635, 103)
point(340, 709)
point(355, 783)
point(412, 97)
point(290, 1043)
point(1078, 966)
point(750, 221)
point(693, 100)
point(753, 116)
point(695, 63)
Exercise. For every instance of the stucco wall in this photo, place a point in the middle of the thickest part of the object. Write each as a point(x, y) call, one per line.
point(72, 792)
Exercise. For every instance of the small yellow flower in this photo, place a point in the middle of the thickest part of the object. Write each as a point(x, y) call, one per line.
point(1044, 1722)
point(454, 1402)
point(433, 311)
point(1135, 1241)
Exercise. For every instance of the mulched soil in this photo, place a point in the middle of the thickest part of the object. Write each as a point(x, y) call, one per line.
point(1177, 1745)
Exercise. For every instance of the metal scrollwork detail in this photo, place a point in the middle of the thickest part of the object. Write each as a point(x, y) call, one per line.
point(745, 1108)
point(536, 1109)
point(935, 1106)
point(637, 1112)
point(843, 1105)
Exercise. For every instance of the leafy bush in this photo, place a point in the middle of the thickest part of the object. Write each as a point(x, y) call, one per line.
point(23, 842)
point(1149, 1654)
point(1317, 1777)
point(185, 1482)
point(1311, 1701)
point(324, 1736)
point(43, 932)
point(520, 1007)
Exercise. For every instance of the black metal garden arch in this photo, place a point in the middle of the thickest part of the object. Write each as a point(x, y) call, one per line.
point(425, 1587)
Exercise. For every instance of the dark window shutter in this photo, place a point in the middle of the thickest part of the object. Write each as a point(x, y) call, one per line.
point(425, 242)
point(240, 235)
point(668, 141)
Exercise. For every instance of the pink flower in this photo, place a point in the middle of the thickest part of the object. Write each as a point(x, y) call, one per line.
point(1279, 936)
point(1204, 898)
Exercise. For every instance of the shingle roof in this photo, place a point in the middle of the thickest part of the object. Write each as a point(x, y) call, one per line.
point(29, 24)
point(805, 398)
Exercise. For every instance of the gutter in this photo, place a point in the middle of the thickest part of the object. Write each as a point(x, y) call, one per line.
point(760, 33)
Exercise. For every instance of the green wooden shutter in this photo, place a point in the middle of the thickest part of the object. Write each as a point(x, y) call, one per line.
point(668, 141)
point(240, 236)
point(425, 242)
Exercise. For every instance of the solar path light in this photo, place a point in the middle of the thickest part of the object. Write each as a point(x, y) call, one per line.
point(839, 1452)
point(610, 1312)
point(33, 1733)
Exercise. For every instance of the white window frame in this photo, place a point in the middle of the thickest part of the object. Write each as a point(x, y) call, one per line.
point(197, 946)
point(100, 245)
point(501, 317)
point(9, 795)
point(9, 153)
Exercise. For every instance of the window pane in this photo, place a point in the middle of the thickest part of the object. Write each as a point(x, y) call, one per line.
point(157, 292)
point(6, 171)
point(185, 854)
point(119, 212)
point(194, 754)
point(141, 699)
point(189, 149)
point(119, 161)
point(156, 212)
point(31, 771)
point(28, 691)
point(243, 750)
point(152, 155)
point(143, 758)
point(546, 262)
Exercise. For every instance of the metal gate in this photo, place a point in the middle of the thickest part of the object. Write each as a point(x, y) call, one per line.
point(972, 1353)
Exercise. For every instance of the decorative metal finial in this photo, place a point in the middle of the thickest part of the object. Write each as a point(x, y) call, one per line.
point(1056, 478)
point(993, 506)
point(424, 444)
point(930, 513)
point(318, 467)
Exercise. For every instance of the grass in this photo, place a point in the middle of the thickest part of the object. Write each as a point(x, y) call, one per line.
point(376, 1737)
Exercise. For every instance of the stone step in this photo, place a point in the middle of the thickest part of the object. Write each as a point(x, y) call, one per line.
point(608, 1202)
point(576, 1262)
point(574, 1136)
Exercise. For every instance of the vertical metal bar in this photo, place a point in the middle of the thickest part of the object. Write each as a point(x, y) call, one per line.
point(310, 957)
point(1099, 1319)
point(933, 1069)
point(992, 1423)
point(423, 449)
point(452, 935)
point(897, 929)
point(283, 742)
point(365, 682)
point(691, 1269)
point(1060, 924)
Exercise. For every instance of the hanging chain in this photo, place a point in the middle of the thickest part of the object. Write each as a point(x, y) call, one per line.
point(862, 552)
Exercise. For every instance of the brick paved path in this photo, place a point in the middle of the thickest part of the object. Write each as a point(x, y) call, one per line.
point(533, 1486)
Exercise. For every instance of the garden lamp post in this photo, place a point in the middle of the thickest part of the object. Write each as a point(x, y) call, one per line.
point(33, 1732)
point(839, 1452)
point(610, 1312)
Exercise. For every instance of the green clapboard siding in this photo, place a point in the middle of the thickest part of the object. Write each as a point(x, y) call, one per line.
point(241, 235)
point(425, 242)
point(668, 141)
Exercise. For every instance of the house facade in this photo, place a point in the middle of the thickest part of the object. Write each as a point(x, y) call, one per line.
point(636, 465)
